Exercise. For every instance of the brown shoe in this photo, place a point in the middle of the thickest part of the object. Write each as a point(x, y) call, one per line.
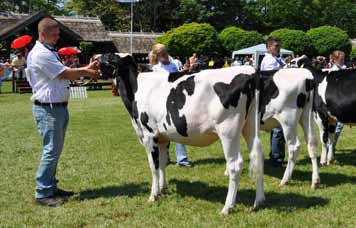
point(50, 201)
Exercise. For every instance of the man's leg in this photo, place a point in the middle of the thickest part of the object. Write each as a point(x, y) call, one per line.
point(50, 123)
point(339, 127)
point(277, 146)
point(181, 155)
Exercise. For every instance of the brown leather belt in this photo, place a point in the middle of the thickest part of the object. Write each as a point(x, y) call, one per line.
point(60, 104)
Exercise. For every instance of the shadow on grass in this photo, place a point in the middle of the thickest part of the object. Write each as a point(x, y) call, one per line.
point(328, 179)
point(275, 200)
point(343, 157)
point(210, 161)
point(129, 190)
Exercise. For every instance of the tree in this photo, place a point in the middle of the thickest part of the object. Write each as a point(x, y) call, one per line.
point(55, 7)
point(295, 40)
point(191, 38)
point(234, 38)
point(353, 54)
point(326, 39)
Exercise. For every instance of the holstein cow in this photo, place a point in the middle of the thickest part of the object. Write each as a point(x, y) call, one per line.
point(286, 100)
point(195, 110)
point(335, 100)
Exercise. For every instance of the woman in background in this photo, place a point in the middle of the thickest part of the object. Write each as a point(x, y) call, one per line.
point(161, 61)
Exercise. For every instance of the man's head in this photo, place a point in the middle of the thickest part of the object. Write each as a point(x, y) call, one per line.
point(48, 31)
point(273, 45)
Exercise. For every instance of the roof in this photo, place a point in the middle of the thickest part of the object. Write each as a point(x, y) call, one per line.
point(258, 49)
point(142, 42)
point(89, 28)
point(11, 24)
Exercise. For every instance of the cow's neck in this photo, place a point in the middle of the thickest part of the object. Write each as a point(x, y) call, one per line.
point(127, 88)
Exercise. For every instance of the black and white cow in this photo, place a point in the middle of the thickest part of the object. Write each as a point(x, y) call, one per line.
point(286, 100)
point(195, 110)
point(335, 100)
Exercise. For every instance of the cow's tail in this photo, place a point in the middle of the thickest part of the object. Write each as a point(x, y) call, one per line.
point(256, 154)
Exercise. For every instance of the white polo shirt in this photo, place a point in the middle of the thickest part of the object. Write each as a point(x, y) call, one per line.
point(43, 68)
point(270, 62)
point(174, 66)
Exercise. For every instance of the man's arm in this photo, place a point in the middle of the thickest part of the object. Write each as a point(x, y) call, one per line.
point(75, 73)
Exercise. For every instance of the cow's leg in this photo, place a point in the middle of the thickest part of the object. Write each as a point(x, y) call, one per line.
point(163, 159)
point(331, 141)
point(323, 131)
point(291, 136)
point(234, 161)
point(152, 149)
point(312, 145)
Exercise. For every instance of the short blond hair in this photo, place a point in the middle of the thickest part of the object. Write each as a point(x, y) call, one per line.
point(46, 24)
point(153, 56)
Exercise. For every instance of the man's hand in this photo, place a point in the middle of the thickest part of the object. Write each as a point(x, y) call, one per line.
point(92, 69)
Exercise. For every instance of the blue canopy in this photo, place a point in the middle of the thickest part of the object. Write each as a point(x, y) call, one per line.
point(258, 50)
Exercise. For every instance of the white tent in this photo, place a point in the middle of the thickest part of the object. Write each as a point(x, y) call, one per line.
point(257, 51)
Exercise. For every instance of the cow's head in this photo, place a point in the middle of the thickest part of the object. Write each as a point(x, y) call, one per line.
point(300, 62)
point(114, 65)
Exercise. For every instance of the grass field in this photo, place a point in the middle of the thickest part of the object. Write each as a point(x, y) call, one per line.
point(107, 168)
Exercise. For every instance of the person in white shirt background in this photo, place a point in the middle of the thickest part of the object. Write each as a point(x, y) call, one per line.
point(273, 61)
point(49, 80)
point(236, 62)
point(337, 63)
point(161, 61)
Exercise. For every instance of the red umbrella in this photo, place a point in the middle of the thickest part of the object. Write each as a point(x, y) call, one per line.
point(67, 51)
point(21, 41)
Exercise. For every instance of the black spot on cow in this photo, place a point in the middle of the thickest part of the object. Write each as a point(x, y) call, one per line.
point(309, 84)
point(175, 101)
point(134, 111)
point(155, 140)
point(164, 125)
point(155, 156)
point(229, 94)
point(331, 128)
point(175, 75)
point(144, 121)
point(301, 99)
point(269, 90)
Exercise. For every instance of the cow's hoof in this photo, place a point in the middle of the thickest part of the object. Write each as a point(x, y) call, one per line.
point(152, 199)
point(225, 211)
point(283, 183)
point(162, 191)
point(322, 163)
point(259, 203)
point(332, 161)
point(315, 185)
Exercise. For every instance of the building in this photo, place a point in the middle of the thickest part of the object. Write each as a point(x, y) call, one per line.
point(75, 29)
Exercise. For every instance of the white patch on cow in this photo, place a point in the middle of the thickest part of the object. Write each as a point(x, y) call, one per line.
point(322, 89)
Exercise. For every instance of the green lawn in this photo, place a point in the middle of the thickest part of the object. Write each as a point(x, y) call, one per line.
point(106, 166)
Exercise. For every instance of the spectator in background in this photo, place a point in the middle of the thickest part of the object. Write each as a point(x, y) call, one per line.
point(236, 61)
point(18, 64)
point(273, 61)
point(161, 61)
point(338, 60)
point(4, 72)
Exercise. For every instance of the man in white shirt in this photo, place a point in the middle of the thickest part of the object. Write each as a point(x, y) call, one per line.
point(273, 61)
point(49, 80)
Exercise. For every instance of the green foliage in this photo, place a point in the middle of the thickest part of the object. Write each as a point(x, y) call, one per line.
point(54, 7)
point(86, 46)
point(326, 39)
point(353, 53)
point(295, 40)
point(104, 163)
point(234, 38)
point(189, 38)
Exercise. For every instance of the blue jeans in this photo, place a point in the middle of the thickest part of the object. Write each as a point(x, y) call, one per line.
point(51, 123)
point(181, 154)
point(338, 129)
point(277, 145)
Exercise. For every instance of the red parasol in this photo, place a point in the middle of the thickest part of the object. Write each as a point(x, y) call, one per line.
point(67, 51)
point(21, 41)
